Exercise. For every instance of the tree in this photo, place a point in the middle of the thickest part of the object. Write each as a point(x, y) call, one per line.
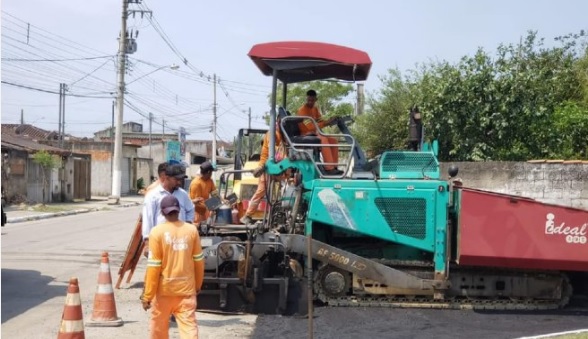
point(511, 105)
point(385, 122)
point(47, 162)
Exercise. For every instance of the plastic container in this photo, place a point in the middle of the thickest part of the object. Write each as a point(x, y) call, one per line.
point(224, 215)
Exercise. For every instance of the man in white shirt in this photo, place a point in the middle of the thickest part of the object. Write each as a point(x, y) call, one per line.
point(171, 185)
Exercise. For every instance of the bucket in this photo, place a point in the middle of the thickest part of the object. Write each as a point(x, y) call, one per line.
point(224, 215)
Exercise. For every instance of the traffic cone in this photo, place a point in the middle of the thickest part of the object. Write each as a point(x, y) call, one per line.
point(72, 320)
point(104, 313)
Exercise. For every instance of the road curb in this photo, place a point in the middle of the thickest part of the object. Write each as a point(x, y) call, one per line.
point(63, 213)
point(557, 334)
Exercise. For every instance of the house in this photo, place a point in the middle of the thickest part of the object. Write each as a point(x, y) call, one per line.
point(23, 179)
point(196, 152)
point(32, 132)
point(133, 167)
point(132, 133)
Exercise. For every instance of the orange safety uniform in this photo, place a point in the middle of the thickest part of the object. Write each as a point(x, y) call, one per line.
point(175, 272)
point(261, 186)
point(201, 188)
point(330, 153)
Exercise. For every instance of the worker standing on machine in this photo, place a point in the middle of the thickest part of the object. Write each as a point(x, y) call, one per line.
point(330, 153)
point(259, 172)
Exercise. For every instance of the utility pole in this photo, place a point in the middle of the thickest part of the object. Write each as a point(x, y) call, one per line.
point(112, 137)
point(60, 106)
point(117, 163)
point(62, 117)
point(22, 116)
point(214, 124)
point(150, 124)
point(163, 131)
point(249, 126)
point(360, 99)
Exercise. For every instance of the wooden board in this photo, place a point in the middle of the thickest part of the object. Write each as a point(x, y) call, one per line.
point(133, 254)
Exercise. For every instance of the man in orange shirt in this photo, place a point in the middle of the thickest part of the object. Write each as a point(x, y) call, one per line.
point(175, 272)
point(330, 153)
point(201, 188)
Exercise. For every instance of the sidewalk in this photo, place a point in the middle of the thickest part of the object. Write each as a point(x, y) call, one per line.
point(24, 212)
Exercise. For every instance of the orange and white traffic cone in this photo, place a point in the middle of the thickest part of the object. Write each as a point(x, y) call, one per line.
point(72, 319)
point(104, 313)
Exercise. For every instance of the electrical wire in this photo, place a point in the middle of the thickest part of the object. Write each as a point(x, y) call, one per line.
point(52, 92)
point(57, 60)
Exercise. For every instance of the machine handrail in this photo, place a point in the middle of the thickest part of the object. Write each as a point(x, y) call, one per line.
point(318, 131)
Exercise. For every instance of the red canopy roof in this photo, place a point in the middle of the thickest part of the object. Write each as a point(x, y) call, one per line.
point(305, 61)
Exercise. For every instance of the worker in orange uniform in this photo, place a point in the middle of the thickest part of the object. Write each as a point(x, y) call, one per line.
point(175, 272)
point(258, 172)
point(201, 189)
point(330, 153)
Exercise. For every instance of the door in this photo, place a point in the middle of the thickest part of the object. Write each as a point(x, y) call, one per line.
point(82, 179)
point(35, 179)
point(126, 176)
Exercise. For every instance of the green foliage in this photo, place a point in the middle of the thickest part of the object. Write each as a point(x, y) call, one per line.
point(45, 160)
point(140, 183)
point(525, 101)
point(571, 130)
point(385, 124)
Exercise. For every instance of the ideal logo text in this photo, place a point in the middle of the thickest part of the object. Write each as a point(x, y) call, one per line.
point(573, 234)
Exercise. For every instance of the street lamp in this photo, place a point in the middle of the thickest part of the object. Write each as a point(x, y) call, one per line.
point(117, 156)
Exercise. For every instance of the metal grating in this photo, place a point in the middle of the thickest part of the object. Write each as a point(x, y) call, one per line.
point(416, 162)
point(406, 216)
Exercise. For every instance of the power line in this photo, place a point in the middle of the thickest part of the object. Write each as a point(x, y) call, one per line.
point(65, 71)
point(61, 39)
point(58, 60)
point(89, 74)
point(160, 31)
point(52, 92)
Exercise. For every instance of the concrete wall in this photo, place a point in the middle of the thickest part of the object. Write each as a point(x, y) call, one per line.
point(20, 186)
point(14, 174)
point(195, 149)
point(101, 153)
point(143, 170)
point(558, 183)
point(69, 179)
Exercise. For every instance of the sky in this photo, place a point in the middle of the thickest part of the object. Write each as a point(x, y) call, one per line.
point(215, 37)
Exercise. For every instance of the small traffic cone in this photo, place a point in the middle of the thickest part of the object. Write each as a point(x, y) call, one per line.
point(72, 320)
point(104, 313)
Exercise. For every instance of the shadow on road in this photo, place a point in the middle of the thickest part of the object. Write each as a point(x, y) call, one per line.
point(25, 289)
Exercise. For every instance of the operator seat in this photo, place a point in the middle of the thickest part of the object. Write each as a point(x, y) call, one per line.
point(291, 128)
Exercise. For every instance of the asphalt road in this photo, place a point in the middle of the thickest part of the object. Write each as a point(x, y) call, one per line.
point(39, 257)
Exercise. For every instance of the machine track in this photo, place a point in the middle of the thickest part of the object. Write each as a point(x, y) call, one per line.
point(457, 302)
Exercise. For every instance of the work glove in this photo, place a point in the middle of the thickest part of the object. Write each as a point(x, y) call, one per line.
point(215, 194)
point(258, 171)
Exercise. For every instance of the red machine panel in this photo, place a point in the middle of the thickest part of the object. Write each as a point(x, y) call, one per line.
point(504, 230)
